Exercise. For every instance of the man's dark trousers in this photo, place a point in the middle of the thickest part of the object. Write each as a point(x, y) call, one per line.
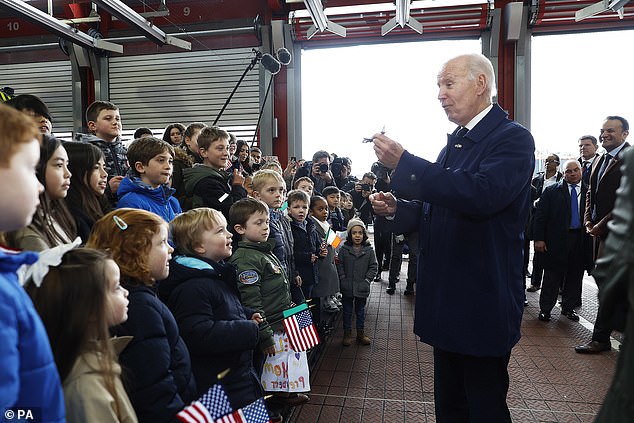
point(571, 273)
point(469, 389)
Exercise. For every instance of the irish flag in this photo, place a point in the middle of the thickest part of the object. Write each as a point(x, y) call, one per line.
point(332, 238)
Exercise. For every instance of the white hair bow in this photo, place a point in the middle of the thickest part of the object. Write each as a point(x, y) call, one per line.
point(50, 257)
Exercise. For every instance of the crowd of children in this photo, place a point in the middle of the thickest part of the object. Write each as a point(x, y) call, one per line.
point(192, 252)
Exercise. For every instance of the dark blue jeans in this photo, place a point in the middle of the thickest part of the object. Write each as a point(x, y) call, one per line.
point(359, 309)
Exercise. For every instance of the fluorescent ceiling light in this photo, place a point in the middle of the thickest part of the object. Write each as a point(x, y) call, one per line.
point(315, 10)
point(402, 18)
point(126, 14)
point(387, 7)
point(600, 7)
point(60, 28)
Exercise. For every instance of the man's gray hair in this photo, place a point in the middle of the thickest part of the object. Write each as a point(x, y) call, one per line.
point(478, 64)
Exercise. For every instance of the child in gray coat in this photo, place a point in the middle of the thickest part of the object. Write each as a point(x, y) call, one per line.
point(357, 267)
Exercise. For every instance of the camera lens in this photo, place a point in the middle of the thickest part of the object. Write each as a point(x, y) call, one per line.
point(323, 168)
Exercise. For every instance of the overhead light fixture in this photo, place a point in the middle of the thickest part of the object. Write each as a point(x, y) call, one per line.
point(320, 21)
point(127, 14)
point(59, 28)
point(402, 19)
point(600, 7)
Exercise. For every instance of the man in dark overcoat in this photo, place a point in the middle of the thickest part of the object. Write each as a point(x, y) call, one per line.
point(470, 208)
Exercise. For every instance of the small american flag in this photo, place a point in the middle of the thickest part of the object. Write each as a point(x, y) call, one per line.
point(252, 413)
point(208, 407)
point(300, 330)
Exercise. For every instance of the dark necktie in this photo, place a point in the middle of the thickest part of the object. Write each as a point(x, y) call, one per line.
point(606, 161)
point(462, 132)
point(575, 221)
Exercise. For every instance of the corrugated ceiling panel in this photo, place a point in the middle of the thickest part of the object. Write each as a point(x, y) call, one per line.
point(156, 90)
point(51, 81)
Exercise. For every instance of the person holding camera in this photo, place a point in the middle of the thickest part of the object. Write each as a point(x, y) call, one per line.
point(318, 170)
point(360, 193)
point(341, 168)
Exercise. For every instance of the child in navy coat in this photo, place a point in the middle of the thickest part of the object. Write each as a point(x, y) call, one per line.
point(306, 241)
point(202, 294)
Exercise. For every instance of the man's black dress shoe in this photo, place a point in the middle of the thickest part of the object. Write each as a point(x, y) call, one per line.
point(390, 290)
point(532, 288)
point(571, 315)
point(593, 347)
point(544, 317)
point(525, 302)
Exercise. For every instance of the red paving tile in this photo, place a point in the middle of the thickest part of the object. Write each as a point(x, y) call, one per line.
point(392, 380)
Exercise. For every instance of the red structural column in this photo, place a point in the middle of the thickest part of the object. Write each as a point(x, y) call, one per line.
point(280, 107)
point(506, 67)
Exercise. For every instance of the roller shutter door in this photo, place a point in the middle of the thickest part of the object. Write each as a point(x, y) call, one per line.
point(159, 89)
point(51, 81)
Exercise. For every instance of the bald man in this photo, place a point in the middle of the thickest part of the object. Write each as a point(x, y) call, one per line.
point(560, 236)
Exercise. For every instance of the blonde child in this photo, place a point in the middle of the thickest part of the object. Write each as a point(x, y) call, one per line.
point(269, 187)
point(272, 166)
point(357, 267)
point(157, 360)
point(84, 353)
point(305, 184)
point(201, 292)
point(28, 376)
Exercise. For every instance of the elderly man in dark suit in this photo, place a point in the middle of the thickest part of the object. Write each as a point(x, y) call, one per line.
point(470, 208)
point(560, 236)
point(604, 181)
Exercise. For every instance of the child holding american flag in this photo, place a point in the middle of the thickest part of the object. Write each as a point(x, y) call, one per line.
point(264, 287)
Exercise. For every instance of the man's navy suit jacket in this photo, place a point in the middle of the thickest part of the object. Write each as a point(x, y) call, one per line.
point(552, 221)
point(471, 210)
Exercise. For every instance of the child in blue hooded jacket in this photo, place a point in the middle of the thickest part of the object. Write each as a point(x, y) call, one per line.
point(151, 165)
